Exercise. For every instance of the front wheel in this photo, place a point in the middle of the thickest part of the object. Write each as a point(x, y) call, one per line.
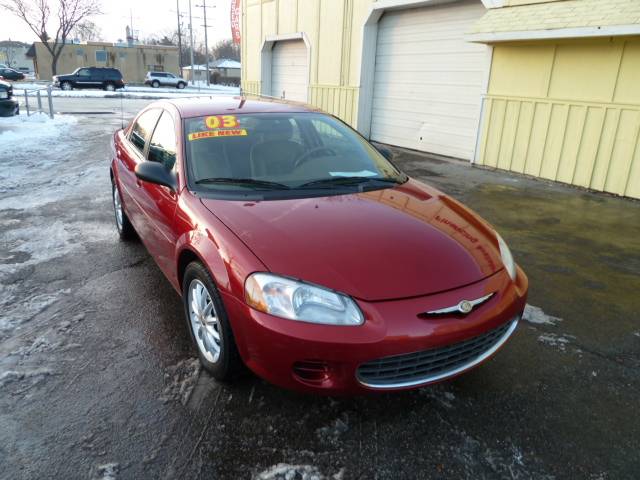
point(155, 84)
point(125, 229)
point(110, 87)
point(181, 85)
point(208, 323)
point(66, 86)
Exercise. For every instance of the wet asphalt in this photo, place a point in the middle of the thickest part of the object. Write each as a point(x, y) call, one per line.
point(98, 378)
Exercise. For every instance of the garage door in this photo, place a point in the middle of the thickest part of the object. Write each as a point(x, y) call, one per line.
point(290, 70)
point(428, 80)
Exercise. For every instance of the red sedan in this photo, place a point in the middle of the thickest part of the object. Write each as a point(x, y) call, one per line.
point(301, 251)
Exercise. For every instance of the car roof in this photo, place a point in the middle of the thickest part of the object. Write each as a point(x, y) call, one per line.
point(227, 104)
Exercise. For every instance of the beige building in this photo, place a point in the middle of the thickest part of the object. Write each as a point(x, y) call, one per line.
point(548, 88)
point(134, 61)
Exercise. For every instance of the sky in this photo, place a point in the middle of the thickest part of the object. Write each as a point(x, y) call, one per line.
point(150, 17)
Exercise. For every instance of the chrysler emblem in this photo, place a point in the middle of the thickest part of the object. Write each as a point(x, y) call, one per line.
point(464, 306)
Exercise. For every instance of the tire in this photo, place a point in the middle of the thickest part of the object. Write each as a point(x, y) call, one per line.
point(109, 87)
point(123, 225)
point(180, 85)
point(155, 84)
point(66, 86)
point(204, 323)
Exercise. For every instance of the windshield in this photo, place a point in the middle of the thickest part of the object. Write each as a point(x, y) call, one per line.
point(282, 151)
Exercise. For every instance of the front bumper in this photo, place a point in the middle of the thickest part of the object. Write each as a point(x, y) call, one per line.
point(331, 359)
point(8, 107)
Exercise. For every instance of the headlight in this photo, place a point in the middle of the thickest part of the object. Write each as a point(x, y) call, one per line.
point(300, 301)
point(4, 95)
point(507, 258)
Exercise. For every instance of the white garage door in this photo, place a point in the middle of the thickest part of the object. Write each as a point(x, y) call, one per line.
point(290, 70)
point(428, 80)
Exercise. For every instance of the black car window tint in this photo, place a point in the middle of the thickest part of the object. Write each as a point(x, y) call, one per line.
point(162, 148)
point(143, 128)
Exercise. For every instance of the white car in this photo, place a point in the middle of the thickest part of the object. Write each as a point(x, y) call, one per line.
point(157, 79)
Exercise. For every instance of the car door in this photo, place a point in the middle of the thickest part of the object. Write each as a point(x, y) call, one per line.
point(159, 202)
point(171, 79)
point(132, 152)
point(83, 78)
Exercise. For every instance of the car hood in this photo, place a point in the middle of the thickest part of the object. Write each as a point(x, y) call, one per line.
point(386, 244)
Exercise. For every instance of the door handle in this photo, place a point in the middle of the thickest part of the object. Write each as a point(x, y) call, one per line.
point(138, 182)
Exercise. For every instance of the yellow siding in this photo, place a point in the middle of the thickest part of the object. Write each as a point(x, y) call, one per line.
point(134, 62)
point(334, 30)
point(566, 111)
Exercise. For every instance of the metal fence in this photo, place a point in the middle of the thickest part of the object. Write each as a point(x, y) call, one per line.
point(38, 93)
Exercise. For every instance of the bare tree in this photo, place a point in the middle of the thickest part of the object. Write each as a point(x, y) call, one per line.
point(37, 14)
point(226, 49)
point(87, 31)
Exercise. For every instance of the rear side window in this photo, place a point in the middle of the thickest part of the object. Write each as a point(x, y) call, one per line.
point(162, 148)
point(113, 73)
point(143, 128)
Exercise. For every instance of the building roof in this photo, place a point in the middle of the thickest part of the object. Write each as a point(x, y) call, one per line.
point(584, 17)
point(226, 63)
point(214, 105)
point(220, 63)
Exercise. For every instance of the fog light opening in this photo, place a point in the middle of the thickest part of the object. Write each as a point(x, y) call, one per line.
point(312, 371)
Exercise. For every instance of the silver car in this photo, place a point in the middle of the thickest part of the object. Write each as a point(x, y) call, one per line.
point(157, 79)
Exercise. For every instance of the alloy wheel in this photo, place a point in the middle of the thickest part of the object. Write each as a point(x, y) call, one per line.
point(203, 319)
point(117, 207)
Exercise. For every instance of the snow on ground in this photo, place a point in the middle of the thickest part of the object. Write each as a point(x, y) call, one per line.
point(108, 471)
point(559, 341)
point(127, 92)
point(284, 471)
point(182, 378)
point(537, 316)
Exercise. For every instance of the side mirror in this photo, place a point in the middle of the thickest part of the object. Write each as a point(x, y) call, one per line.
point(386, 152)
point(154, 172)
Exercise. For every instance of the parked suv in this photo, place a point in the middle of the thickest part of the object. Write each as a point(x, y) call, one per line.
point(91, 77)
point(155, 79)
point(8, 106)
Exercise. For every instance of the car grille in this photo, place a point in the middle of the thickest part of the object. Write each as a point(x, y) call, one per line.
point(434, 364)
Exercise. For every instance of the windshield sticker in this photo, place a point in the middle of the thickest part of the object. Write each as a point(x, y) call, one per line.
point(221, 121)
point(240, 132)
point(361, 173)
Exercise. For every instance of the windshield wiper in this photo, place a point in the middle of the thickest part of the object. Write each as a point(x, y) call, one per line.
point(251, 182)
point(339, 181)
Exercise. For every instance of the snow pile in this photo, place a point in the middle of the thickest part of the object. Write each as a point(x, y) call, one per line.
point(182, 379)
point(537, 316)
point(21, 131)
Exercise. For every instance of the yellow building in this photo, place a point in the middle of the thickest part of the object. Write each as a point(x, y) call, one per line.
point(543, 87)
point(134, 61)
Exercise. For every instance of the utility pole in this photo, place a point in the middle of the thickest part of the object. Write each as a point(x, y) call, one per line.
point(206, 41)
point(133, 37)
point(193, 77)
point(179, 36)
